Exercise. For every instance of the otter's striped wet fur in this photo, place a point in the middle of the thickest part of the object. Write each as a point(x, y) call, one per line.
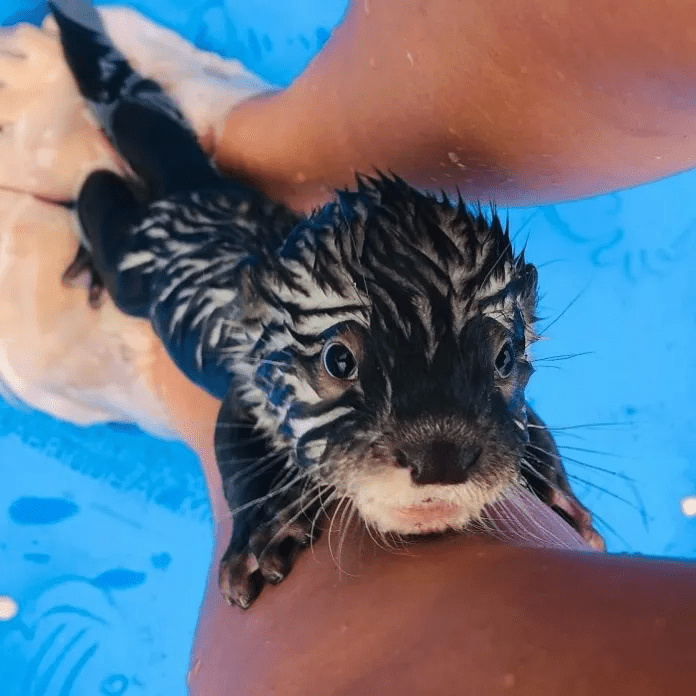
point(375, 353)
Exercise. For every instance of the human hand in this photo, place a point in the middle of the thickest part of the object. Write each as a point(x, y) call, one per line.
point(48, 143)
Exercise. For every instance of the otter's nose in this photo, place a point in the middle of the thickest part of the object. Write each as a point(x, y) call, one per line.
point(438, 461)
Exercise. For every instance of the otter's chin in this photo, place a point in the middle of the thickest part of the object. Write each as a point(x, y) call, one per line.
point(389, 501)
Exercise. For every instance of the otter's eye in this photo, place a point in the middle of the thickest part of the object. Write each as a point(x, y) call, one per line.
point(339, 362)
point(505, 360)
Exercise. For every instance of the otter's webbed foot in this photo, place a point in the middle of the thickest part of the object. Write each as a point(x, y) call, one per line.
point(273, 516)
point(546, 477)
point(82, 264)
point(106, 210)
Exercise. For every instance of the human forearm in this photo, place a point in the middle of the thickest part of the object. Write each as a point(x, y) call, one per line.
point(518, 103)
point(454, 616)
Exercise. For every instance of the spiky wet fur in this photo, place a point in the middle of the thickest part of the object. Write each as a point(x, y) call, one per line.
point(426, 294)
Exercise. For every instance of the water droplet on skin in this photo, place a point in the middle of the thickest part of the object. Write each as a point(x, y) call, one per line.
point(45, 157)
point(193, 672)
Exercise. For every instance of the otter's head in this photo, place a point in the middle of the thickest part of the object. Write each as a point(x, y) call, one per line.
point(395, 370)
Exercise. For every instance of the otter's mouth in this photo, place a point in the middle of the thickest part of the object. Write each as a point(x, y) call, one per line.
point(427, 516)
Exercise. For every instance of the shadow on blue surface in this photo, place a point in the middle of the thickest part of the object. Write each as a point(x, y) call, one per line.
point(107, 581)
point(105, 532)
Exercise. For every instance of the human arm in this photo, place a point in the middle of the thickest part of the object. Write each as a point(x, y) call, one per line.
point(519, 103)
point(454, 616)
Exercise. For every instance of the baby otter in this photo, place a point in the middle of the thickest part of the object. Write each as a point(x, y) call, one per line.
point(376, 352)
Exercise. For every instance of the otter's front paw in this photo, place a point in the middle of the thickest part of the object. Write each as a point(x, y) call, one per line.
point(545, 476)
point(577, 515)
point(267, 557)
point(82, 264)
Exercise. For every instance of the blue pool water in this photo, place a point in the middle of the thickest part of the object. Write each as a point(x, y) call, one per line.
point(105, 533)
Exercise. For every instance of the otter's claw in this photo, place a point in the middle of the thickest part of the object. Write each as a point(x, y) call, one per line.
point(267, 559)
point(240, 579)
point(82, 263)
